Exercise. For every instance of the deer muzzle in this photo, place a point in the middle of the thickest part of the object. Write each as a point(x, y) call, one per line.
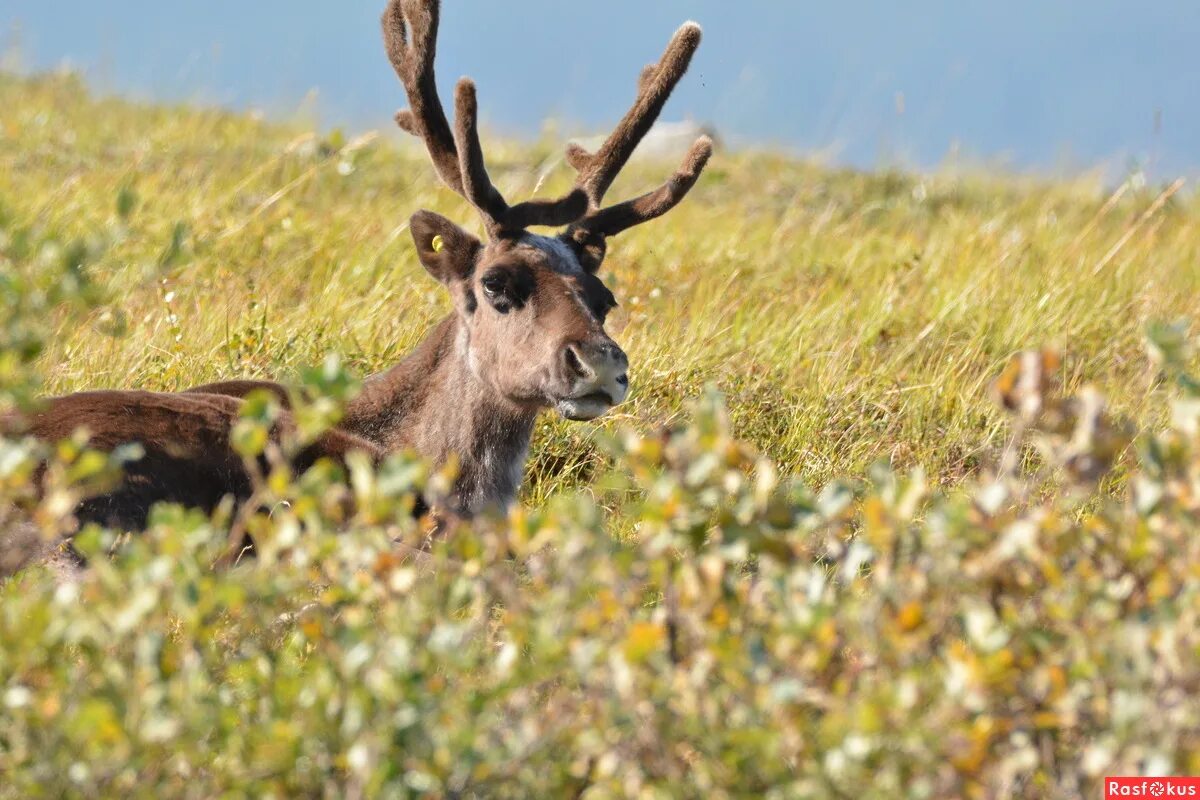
point(598, 375)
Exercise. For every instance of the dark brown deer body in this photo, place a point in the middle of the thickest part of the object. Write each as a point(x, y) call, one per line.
point(187, 457)
point(526, 334)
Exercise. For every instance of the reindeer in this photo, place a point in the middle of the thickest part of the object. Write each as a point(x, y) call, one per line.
point(526, 333)
point(527, 330)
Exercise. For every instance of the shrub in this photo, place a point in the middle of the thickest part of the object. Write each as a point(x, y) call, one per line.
point(746, 637)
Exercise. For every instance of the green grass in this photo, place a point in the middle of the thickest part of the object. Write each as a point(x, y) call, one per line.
point(848, 317)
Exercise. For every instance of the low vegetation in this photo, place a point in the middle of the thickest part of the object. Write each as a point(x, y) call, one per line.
point(839, 543)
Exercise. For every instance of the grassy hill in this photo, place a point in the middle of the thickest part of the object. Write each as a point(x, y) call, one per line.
point(856, 575)
point(847, 317)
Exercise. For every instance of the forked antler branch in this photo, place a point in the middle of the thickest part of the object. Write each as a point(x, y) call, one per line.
point(598, 171)
point(410, 30)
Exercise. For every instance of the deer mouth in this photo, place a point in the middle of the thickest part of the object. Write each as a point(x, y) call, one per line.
point(585, 407)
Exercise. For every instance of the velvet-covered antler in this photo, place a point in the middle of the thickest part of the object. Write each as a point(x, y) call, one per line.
point(410, 30)
point(598, 171)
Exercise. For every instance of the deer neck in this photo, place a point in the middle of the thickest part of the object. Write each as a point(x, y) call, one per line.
point(432, 402)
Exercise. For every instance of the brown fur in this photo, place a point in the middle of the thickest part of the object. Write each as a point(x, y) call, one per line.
point(527, 331)
point(185, 439)
point(434, 403)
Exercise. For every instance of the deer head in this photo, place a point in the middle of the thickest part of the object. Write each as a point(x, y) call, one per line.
point(531, 306)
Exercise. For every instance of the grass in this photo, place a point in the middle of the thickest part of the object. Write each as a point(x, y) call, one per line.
point(848, 317)
point(1018, 633)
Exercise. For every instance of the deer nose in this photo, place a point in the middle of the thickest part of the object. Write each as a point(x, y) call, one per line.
point(599, 366)
point(576, 363)
point(615, 354)
point(587, 360)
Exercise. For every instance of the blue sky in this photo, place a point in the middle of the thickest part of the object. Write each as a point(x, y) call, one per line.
point(1051, 85)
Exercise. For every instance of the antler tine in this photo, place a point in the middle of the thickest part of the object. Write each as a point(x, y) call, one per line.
point(410, 36)
point(617, 218)
point(478, 187)
point(657, 81)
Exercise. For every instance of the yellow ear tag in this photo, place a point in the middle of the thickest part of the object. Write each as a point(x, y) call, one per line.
point(438, 243)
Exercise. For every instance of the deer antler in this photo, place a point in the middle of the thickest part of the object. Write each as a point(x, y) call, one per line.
point(410, 36)
point(598, 171)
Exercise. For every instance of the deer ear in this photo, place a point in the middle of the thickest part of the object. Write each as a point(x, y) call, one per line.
point(446, 250)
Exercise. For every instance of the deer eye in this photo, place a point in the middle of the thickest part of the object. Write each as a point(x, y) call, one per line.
point(494, 285)
point(499, 291)
point(506, 288)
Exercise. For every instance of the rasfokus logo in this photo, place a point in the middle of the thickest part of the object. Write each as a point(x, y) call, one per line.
point(1151, 787)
